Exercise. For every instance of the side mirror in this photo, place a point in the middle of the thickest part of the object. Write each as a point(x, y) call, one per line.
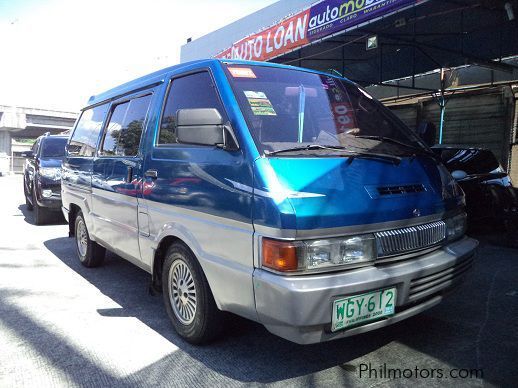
point(28, 154)
point(459, 175)
point(202, 126)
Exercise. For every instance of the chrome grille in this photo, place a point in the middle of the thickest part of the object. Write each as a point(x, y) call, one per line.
point(411, 238)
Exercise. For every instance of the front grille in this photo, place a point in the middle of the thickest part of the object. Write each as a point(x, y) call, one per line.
point(427, 285)
point(399, 190)
point(391, 242)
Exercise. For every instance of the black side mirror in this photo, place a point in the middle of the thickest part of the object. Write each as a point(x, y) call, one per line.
point(28, 154)
point(203, 126)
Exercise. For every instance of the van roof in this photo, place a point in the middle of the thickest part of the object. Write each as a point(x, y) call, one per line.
point(158, 76)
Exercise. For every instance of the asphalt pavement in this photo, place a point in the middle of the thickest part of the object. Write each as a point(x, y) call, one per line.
point(65, 325)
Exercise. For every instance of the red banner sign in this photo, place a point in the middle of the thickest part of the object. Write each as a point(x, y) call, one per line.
point(272, 42)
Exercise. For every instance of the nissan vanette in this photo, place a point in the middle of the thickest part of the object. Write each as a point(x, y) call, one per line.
point(284, 195)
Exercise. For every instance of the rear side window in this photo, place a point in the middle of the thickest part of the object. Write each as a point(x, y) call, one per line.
point(84, 139)
point(188, 92)
point(124, 130)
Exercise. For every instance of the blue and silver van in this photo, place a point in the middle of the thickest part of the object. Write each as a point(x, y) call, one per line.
point(284, 195)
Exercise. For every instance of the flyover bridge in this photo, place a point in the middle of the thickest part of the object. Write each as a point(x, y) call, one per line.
point(19, 122)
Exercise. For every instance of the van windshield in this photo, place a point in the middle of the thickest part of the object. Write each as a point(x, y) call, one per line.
point(295, 111)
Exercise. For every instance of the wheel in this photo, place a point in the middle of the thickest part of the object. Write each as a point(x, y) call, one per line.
point(40, 214)
point(187, 297)
point(27, 202)
point(89, 252)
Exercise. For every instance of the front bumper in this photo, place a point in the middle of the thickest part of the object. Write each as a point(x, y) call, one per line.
point(54, 201)
point(298, 308)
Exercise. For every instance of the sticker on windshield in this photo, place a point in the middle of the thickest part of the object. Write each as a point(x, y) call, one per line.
point(259, 103)
point(261, 107)
point(253, 94)
point(241, 72)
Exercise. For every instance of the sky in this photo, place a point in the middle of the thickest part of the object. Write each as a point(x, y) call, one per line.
point(55, 54)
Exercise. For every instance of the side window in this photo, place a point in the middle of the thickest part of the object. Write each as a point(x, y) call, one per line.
point(84, 139)
point(124, 130)
point(188, 92)
point(35, 147)
point(113, 130)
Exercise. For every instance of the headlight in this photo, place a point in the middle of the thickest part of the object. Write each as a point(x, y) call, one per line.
point(53, 173)
point(290, 256)
point(456, 226)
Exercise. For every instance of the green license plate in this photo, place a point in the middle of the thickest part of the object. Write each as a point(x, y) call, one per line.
point(358, 309)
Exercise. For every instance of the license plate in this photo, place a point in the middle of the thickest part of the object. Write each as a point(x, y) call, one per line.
point(358, 309)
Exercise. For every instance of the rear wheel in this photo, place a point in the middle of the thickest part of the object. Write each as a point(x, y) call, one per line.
point(188, 298)
point(89, 252)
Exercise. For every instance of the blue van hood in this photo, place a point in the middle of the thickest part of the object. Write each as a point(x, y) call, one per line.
point(313, 193)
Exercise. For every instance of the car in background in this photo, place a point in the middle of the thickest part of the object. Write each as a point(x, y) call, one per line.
point(491, 199)
point(42, 177)
point(4, 164)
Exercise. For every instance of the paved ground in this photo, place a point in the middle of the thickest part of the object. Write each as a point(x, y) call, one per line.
point(65, 325)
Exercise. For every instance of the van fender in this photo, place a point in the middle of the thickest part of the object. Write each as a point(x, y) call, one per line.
point(182, 234)
point(229, 281)
point(82, 203)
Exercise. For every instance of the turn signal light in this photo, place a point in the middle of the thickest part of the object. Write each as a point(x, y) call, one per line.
point(279, 255)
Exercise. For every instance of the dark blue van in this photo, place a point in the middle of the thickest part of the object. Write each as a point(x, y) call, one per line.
point(284, 195)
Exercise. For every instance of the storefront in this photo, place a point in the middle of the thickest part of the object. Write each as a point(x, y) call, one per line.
point(454, 63)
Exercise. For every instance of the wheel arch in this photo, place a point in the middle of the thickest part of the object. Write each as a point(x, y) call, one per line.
point(160, 255)
point(73, 211)
point(159, 258)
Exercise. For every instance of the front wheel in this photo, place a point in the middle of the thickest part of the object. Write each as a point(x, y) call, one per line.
point(41, 215)
point(27, 202)
point(90, 253)
point(188, 298)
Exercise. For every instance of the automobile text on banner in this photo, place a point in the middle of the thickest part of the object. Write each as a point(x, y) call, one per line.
point(330, 16)
point(321, 19)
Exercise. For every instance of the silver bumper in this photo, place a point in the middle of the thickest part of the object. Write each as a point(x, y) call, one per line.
point(298, 308)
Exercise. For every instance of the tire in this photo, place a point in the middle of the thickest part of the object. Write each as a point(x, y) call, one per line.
point(194, 314)
point(41, 214)
point(89, 252)
point(27, 202)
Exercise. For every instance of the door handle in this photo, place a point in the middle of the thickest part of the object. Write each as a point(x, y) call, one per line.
point(129, 174)
point(153, 174)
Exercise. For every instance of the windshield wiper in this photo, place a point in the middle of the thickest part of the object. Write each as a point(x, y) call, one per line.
point(340, 149)
point(308, 147)
point(397, 142)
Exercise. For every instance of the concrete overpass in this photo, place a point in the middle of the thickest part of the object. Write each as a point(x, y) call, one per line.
point(19, 122)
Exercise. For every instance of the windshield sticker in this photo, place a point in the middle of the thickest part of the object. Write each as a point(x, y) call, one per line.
point(241, 72)
point(343, 117)
point(261, 107)
point(252, 94)
point(259, 103)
